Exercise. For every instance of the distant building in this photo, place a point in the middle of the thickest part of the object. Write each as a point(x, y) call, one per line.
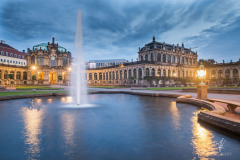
point(47, 62)
point(105, 63)
point(11, 56)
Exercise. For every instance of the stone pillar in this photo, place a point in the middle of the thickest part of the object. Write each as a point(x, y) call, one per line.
point(202, 92)
point(231, 73)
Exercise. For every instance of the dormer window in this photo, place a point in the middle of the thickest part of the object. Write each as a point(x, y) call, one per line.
point(19, 56)
point(15, 55)
point(11, 54)
point(2, 53)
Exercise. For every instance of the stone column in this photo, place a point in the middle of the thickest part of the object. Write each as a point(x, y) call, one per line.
point(202, 91)
point(231, 73)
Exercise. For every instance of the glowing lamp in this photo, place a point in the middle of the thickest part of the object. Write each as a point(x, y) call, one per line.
point(33, 67)
point(201, 74)
point(69, 68)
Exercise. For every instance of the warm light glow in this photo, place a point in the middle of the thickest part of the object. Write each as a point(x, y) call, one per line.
point(69, 68)
point(33, 67)
point(174, 74)
point(201, 73)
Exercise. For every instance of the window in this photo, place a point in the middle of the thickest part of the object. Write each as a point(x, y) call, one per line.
point(10, 61)
point(164, 58)
point(19, 56)
point(22, 57)
point(65, 62)
point(53, 61)
point(4, 60)
point(2, 53)
point(159, 57)
point(169, 58)
point(40, 60)
point(33, 60)
point(173, 59)
point(7, 61)
point(15, 55)
point(11, 54)
point(1, 60)
point(6, 53)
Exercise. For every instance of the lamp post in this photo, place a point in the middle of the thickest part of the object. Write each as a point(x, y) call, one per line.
point(34, 76)
point(202, 87)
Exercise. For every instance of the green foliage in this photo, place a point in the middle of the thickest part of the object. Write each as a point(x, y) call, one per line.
point(11, 76)
point(132, 78)
point(34, 77)
point(207, 62)
point(35, 87)
point(140, 78)
point(59, 77)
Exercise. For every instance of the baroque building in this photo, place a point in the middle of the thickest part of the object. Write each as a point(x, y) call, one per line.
point(158, 64)
point(48, 62)
point(221, 74)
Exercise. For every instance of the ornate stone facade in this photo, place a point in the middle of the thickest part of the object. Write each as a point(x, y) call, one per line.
point(158, 64)
point(47, 62)
point(223, 74)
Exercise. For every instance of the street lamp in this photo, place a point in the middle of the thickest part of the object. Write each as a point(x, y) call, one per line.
point(202, 87)
point(69, 68)
point(201, 74)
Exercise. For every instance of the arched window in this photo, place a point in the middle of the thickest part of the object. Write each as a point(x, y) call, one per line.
point(106, 76)
point(164, 58)
point(11, 54)
point(173, 73)
point(19, 56)
point(153, 72)
point(125, 74)
point(40, 60)
point(159, 73)
point(110, 75)
point(95, 76)
point(135, 73)
point(169, 58)
point(5, 74)
point(235, 74)
point(15, 55)
point(173, 59)
point(24, 75)
point(129, 73)
point(139, 73)
point(103, 76)
point(18, 75)
point(90, 76)
point(220, 74)
point(147, 72)
point(159, 57)
point(178, 60)
point(121, 74)
point(146, 57)
point(113, 75)
point(100, 76)
point(164, 73)
point(227, 74)
point(2, 53)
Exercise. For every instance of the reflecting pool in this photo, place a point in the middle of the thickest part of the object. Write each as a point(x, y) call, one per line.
point(120, 127)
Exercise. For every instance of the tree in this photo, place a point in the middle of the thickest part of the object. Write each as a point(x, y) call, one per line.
point(34, 77)
point(207, 62)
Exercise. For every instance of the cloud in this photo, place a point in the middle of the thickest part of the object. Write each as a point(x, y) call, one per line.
point(115, 29)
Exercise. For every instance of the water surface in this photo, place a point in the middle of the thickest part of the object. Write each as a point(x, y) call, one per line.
point(120, 127)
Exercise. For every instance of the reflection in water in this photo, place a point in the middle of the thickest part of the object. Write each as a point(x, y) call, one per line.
point(175, 114)
point(49, 100)
point(68, 122)
point(67, 99)
point(202, 141)
point(33, 116)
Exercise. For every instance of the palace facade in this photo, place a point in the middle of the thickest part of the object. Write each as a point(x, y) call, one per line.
point(158, 64)
point(46, 64)
point(223, 74)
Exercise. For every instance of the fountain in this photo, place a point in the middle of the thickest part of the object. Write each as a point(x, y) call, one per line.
point(78, 79)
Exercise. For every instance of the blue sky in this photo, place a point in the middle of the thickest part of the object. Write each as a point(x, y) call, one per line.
point(115, 29)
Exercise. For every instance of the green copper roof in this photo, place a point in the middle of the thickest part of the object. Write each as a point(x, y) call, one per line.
point(44, 46)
